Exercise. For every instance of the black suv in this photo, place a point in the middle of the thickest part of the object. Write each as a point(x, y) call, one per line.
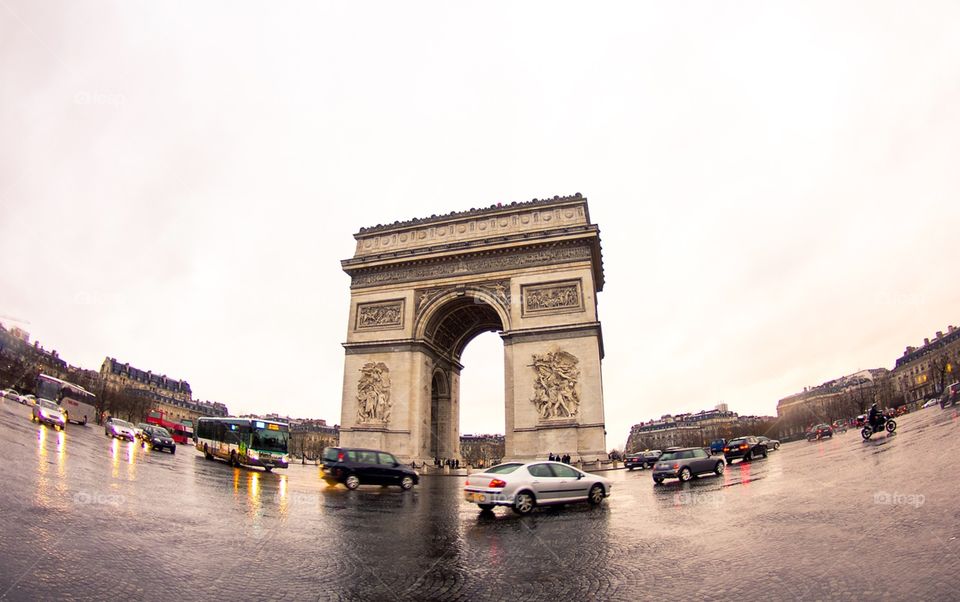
point(633, 461)
point(354, 467)
point(157, 437)
point(745, 449)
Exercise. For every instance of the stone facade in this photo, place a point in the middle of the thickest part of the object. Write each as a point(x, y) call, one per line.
point(172, 397)
point(692, 430)
point(482, 451)
point(837, 399)
point(924, 372)
point(421, 290)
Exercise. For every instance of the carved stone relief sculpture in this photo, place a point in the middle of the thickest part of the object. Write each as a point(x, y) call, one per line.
point(375, 316)
point(552, 298)
point(373, 393)
point(555, 390)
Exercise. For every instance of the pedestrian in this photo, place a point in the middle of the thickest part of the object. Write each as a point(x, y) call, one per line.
point(551, 457)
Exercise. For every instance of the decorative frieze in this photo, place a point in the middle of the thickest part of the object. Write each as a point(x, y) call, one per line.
point(498, 289)
point(556, 387)
point(552, 297)
point(477, 264)
point(381, 315)
point(373, 394)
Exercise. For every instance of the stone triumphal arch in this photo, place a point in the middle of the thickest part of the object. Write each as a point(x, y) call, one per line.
point(421, 290)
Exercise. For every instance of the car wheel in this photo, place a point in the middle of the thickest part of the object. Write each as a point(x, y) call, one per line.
point(486, 507)
point(748, 457)
point(406, 483)
point(685, 475)
point(764, 452)
point(173, 450)
point(718, 468)
point(776, 446)
point(630, 468)
point(596, 494)
point(352, 482)
point(658, 480)
point(524, 503)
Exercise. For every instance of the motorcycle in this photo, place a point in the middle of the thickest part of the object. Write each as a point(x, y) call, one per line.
point(883, 424)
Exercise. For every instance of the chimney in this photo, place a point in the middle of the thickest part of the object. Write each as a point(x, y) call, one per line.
point(926, 341)
point(939, 334)
point(951, 328)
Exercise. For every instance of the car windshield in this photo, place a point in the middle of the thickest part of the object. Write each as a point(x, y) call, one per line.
point(160, 431)
point(503, 468)
point(48, 405)
point(124, 423)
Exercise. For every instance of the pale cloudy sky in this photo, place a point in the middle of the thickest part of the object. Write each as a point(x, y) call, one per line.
point(776, 182)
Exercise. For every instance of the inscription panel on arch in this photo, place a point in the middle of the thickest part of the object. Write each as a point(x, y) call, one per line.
point(380, 315)
point(552, 297)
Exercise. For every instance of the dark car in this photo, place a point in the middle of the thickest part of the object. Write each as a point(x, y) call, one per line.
point(820, 431)
point(686, 463)
point(354, 467)
point(772, 444)
point(157, 437)
point(633, 461)
point(744, 449)
point(650, 457)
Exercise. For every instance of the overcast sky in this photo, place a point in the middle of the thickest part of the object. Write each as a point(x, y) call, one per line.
point(776, 183)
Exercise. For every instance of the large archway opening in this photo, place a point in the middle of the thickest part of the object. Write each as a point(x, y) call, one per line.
point(452, 326)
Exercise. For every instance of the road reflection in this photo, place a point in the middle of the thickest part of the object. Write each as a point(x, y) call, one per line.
point(51, 491)
point(123, 452)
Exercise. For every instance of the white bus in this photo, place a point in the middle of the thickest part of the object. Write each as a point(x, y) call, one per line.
point(246, 441)
point(76, 402)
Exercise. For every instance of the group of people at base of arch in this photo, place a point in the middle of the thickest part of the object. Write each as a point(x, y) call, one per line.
point(565, 458)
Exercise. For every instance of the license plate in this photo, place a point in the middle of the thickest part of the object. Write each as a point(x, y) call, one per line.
point(476, 497)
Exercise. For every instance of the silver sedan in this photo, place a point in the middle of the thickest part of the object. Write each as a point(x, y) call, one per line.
point(523, 486)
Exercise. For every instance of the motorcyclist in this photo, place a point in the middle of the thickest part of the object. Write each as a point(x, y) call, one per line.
point(874, 415)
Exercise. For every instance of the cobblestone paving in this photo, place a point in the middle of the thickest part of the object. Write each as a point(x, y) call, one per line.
point(88, 518)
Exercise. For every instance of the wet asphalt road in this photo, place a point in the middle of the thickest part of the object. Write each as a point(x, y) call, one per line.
point(84, 517)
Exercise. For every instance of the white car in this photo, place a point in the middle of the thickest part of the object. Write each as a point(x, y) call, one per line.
point(930, 403)
point(523, 486)
point(11, 395)
point(49, 413)
point(120, 429)
point(28, 400)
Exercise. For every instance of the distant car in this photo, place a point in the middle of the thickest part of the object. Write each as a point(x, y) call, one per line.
point(930, 403)
point(28, 400)
point(140, 428)
point(119, 429)
point(684, 464)
point(523, 487)
point(650, 457)
point(634, 461)
point(821, 431)
point(11, 395)
point(744, 449)
point(772, 444)
point(716, 446)
point(49, 413)
point(354, 467)
point(157, 437)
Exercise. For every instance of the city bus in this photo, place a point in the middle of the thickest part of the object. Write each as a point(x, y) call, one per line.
point(76, 402)
point(247, 441)
point(181, 433)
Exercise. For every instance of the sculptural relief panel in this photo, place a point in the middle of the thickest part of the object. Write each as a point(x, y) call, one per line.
point(373, 394)
point(381, 315)
point(556, 387)
point(552, 297)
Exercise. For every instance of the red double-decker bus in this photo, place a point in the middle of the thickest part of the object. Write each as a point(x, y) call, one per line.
point(181, 433)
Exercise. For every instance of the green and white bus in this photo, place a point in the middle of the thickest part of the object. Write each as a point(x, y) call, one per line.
point(246, 441)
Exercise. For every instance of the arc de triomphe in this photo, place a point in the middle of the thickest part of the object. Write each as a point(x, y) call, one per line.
point(421, 290)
